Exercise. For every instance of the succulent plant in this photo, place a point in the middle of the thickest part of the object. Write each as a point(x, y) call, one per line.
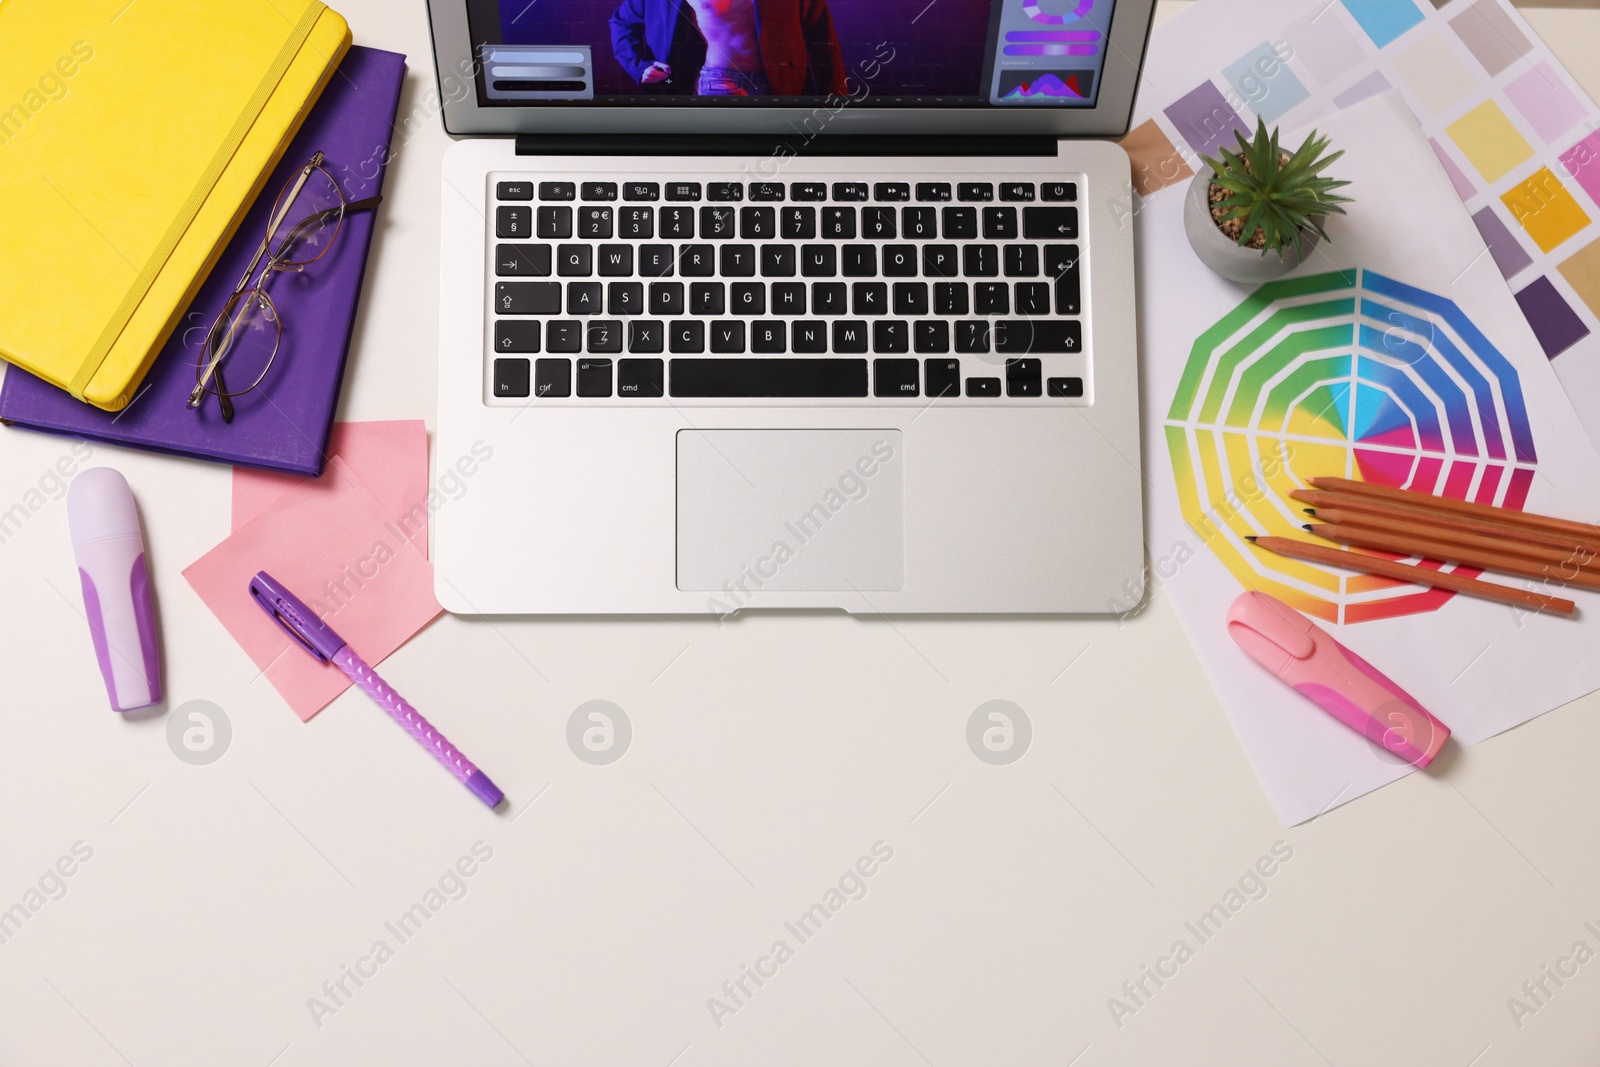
point(1276, 197)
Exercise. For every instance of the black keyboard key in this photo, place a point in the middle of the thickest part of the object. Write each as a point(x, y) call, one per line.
point(950, 298)
point(799, 223)
point(624, 298)
point(972, 337)
point(641, 191)
point(516, 335)
point(605, 336)
point(666, 298)
point(991, 298)
point(891, 337)
point(808, 190)
point(765, 377)
point(940, 261)
point(757, 223)
point(920, 223)
point(683, 191)
point(980, 261)
point(585, 298)
point(850, 191)
point(869, 298)
point(656, 261)
point(749, 298)
point(911, 298)
point(778, 261)
point(555, 223)
point(1024, 337)
point(768, 338)
point(942, 375)
point(1058, 191)
point(552, 377)
point(849, 336)
point(604, 191)
point(708, 298)
point(1016, 191)
point(766, 191)
point(1064, 264)
point(636, 223)
point(717, 223)
point(527, 298)
point(983, 386)
point(697, 261)
point(677, 222)
point(514, 222)
point(687, 335)
point(1022, 261)
point(575, 261)
point(564, 336)
point(616, 261)
point(1068, 387)
point(839, 223)
point(895, 377)
point(960, 223)
point(1000, 223)
point(514, 191)
point(819, 261)
point(859, 261)
point(1024, 377)
point(594, 376)
point(975, 192)
point(1033, 298)
point(725, 192)
point(891, 191)
point(558, 191)
point(788, 298)
point(645, 335)
point(878, 223)
point(811, 337)
point(727, 338)
point(522, 261)
point(829, 298)
point(900, 261)
point(641, 377)
point(1050, 223)
point(933, 336)
point(933, 192)
point(739, 261)
point(511, 376)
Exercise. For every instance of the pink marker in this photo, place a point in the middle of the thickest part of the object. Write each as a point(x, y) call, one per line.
point(1340, 682)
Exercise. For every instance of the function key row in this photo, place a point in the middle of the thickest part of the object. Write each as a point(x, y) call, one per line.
point(796, 223)
point(732, 192)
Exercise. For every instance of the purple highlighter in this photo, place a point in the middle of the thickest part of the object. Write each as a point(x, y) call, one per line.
point(317, 638)
point(116, 587)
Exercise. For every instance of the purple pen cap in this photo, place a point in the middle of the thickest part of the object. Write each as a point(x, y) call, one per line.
point(297, 620)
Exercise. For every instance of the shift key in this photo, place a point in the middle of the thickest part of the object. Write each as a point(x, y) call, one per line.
point(527, 298)
point(1050, 223)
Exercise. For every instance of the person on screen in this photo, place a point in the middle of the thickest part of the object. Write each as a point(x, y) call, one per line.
point(730, 47)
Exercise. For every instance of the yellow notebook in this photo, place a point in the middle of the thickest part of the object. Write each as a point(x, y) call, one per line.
point(133, 138)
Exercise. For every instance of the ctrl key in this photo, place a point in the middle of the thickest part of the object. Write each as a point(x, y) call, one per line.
point(552, 377)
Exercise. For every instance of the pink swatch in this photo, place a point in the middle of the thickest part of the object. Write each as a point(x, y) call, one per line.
point(1545, 101)
point(341, 551)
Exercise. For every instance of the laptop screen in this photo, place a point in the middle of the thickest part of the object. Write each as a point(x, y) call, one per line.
point(789, 53)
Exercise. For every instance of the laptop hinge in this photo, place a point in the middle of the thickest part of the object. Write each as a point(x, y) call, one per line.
point(764, 145)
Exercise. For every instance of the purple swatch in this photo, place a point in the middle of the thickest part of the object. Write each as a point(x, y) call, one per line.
point(1554, 322)
point(1463, 185)
point(1508, 253)
point(1205, 120)
point(1371, 85)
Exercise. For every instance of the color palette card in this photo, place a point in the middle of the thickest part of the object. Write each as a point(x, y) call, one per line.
point(1512, 129)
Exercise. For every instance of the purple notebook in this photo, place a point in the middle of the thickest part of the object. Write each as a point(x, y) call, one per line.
point(283, 425)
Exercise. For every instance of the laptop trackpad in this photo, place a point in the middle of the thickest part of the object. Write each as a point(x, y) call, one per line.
point(790, 510)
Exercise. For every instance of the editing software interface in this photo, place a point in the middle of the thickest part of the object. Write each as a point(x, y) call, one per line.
point(790, 53)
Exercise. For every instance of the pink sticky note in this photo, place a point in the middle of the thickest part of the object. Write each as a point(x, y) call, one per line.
point(336, 548)
point(390, 458)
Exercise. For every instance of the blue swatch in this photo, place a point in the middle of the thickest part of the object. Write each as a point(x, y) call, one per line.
point(1384, 20)
point(1265, 82)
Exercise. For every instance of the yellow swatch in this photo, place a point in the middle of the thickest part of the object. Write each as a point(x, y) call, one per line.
point(1487, 138)
point(1545, 209)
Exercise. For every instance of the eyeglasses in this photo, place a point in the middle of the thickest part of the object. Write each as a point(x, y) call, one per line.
point(243, 342)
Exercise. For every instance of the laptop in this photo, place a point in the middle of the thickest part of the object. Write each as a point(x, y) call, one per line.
point(787, 304)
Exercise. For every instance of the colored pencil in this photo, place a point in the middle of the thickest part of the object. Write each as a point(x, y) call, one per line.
point(1428, 528)
point(1581, 530)
point(1406, 572)
point(1329, 498)
point(1445, 552)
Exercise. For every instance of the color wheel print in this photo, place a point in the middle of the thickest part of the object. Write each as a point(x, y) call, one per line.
point(1349, 374)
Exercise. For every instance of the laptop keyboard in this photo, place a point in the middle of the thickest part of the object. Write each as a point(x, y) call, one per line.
point(846, 291)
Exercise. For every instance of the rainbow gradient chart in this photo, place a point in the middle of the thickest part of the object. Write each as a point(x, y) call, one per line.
point(1351, 374)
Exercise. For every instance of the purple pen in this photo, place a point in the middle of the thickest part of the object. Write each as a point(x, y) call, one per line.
point(318, 638)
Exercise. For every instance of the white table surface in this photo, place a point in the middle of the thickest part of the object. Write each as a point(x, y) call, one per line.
point(767, 756)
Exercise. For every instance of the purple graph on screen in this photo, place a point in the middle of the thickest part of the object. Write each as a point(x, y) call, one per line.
point(1084, 42)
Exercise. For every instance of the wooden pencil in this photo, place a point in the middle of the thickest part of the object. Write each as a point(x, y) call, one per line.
point(1445, 520)
point(1581, 530)
point(1445, 552)
point(1564, 559)
point(1406, 572)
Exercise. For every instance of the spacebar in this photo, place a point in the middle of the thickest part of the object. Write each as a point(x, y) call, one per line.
point(793, 378)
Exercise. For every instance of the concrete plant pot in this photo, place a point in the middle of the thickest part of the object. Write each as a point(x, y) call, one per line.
point(1225, 256)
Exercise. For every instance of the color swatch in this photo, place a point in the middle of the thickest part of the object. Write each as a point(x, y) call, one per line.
point(1545, 209)
point(1156, 161)
point(1265, 82)
point(1489, 141)
point(1491, 35)
point(1542, 97)
point(1205, 120)
point(1384, 20)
